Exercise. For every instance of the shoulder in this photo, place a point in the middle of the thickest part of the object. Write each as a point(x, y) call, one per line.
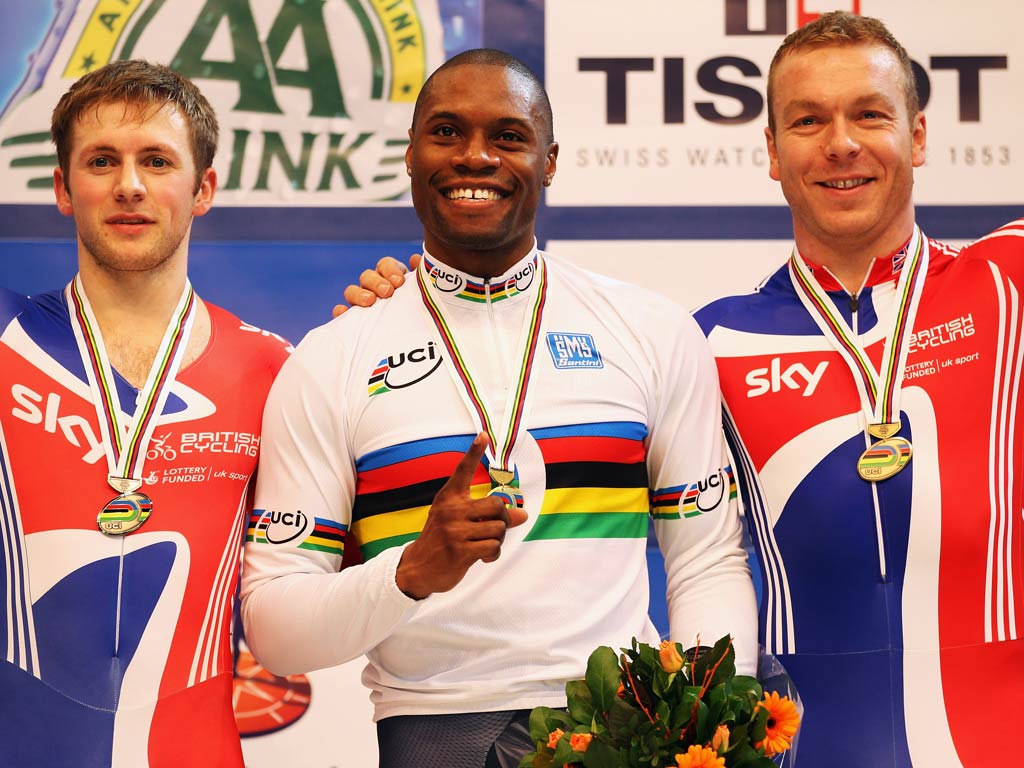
point(1004, 246)
point(614, 299)
point(250, 344)
point(749, 311)
point(45, 312)
point(11, 305)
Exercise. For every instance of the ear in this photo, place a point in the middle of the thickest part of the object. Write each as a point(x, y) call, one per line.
point(550, 163)
point(408, 155)
point(919, 139)
point(204, 197)
point(61, 193)
point(773, 155)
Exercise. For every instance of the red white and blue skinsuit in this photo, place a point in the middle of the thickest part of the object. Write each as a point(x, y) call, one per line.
point(115, 650)
point(896, 606)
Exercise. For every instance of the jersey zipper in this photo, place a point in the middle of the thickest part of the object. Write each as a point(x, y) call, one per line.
point(883, 568)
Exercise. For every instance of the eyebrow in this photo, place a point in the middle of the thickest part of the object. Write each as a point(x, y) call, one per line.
point(161, 148)
point(455, 117)
point(810, 105)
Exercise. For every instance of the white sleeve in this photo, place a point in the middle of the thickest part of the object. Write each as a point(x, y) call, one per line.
point(299, 612)
point(709, 589)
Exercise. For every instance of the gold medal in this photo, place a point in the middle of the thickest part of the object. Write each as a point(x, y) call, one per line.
point(884, 430)
point(511, 495)
point(885, 458)
point(501, 486)
point(124, 513)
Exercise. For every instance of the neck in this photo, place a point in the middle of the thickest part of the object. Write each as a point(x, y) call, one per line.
point(478, 263)
point(131, 301)
point(850, 262)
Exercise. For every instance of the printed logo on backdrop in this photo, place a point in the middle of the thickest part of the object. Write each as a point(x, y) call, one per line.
point(314, 99)
point(679, 119)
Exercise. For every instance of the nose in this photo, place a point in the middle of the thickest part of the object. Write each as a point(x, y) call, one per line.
point(840, 141)
point(129, 186)
point(475, 153)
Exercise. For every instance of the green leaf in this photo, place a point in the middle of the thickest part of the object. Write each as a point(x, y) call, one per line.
point(602, 755)
point(563, 752)
point(603, 677)
point(543, 720)
point(581, 703)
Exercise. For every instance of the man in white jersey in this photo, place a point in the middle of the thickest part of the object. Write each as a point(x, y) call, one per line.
point(494, 440)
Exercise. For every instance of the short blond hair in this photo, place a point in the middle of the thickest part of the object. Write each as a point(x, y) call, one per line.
point(844, 28)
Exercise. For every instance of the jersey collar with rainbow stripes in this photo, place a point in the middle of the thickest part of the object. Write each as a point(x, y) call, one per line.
point(453, 285)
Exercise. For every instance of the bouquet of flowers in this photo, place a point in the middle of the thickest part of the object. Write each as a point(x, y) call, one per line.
point(656, 707)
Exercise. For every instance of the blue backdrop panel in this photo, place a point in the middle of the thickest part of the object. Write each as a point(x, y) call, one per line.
point(285, 287)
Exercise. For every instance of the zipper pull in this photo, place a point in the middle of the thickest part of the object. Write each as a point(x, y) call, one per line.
point(853, 303)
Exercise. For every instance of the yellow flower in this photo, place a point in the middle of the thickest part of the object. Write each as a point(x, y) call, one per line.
point(700, 757)
point(554, 736)
point(783, 722)
point(580, 741)
point(671, 661)
point(720, 741)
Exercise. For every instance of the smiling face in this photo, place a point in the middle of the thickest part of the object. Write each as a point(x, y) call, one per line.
point(479, 155)
point(844, 149)
point(131, 187)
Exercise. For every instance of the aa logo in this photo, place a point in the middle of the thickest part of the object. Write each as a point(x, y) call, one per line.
point(314, 99)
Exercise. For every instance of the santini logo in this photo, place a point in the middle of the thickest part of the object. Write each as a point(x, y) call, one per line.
point(574, 350)
point(773, 379)
point(403, 369)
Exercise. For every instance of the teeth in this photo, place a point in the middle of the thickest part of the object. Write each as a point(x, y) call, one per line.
point(845, 183)
point(473, 194)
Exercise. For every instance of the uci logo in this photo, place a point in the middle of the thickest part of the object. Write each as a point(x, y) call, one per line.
point(404, 370)
point(447, 282)
point(523, 279)
point(282, 527)
point(710, 492)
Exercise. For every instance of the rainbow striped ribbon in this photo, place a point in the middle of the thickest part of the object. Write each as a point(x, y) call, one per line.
point(879, 392)
point(125, 444)
point(501, 444)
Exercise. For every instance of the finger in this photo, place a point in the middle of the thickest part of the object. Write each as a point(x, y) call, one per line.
point(359, 297)
point(373, 281)
point(339, 310)
point(414, 260)
point(462, 477)
point(391, 270)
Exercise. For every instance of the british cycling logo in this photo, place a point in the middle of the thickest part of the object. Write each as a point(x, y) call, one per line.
point(404, 369)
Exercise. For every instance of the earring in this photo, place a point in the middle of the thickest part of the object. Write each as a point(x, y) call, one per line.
point(408, 171)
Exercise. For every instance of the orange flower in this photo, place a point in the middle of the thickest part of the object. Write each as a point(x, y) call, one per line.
point(554, 736)
point(671, 661)
point(700, 757)
point(720, 741)
point(580, 741)
point(783, 722)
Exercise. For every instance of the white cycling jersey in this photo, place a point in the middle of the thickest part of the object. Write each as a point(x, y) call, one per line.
point(622, 423)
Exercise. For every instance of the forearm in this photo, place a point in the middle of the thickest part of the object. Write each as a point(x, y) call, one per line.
point(297, 622)
point(712, 598)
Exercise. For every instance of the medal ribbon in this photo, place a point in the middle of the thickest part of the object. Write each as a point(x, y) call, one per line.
point(125, 444)
point(501, 449)
point(880, 393)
